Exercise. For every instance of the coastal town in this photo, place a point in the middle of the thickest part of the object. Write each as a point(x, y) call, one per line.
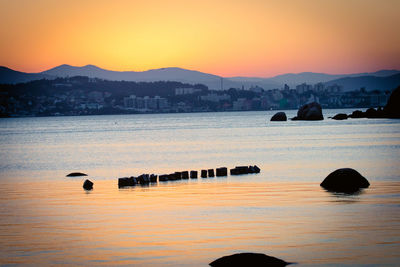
point(91, 96)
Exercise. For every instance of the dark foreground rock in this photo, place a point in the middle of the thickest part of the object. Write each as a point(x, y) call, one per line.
point(75, 174)
point(279, 116)
point(88, 185)
point(340, 116)
point(249, 259)
point(310, 112)
point(345, 180)
point(392, 108)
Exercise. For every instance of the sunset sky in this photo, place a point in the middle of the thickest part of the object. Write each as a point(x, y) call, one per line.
point(228, 38)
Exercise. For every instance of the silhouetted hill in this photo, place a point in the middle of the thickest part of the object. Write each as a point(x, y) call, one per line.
point(293, 79)
point(164, 74)
point(9, 76)
point(196, 77)
point(368, 82)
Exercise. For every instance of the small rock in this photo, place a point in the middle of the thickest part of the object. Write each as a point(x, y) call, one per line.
point(211, 173)
point(340, 116)
point(203, 173)
point(249, 259)
point(279, 116)
point(88, 185)
point(357, 114)
point(75, 174)
point(345, 180)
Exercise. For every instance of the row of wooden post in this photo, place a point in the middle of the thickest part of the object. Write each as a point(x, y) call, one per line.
point(146, 179)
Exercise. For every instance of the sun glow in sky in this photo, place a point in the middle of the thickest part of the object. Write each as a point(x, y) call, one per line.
point(228, 38)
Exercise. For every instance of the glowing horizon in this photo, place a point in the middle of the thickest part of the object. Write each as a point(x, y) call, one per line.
point(227, 38)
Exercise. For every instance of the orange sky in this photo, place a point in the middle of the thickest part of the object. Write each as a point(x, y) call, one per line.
point(228, 38)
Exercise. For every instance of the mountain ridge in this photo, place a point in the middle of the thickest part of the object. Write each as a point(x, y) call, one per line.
point(212, 81)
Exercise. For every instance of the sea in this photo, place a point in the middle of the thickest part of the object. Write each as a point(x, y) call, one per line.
point(47, 218)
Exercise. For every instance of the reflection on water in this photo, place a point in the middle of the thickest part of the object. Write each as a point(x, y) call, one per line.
point(48, 219)
point(195, 222)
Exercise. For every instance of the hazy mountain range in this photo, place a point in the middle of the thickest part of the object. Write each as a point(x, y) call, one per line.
point(380, 80)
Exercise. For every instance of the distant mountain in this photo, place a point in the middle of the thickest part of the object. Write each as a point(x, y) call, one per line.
point(164, 74)
point(195, 77)
point(368, 82)
point(293, 79)
point(11, 76)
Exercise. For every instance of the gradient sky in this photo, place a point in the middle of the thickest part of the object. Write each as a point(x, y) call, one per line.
point(228, 38)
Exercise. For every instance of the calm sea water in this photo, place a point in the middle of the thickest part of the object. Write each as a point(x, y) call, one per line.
point(48, 219)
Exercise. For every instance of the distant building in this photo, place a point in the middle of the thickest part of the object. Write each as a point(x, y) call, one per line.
point(302, 88)
point(186, 91)
point(215, 97)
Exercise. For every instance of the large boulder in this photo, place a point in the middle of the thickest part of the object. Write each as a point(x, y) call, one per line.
point(392, 108)
point(248, 259)
point(345, 180)
point(279, 116)
point(310, 112)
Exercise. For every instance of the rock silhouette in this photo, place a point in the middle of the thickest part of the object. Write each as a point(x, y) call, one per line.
point(279, 116)
point(392, 108)
point(88, 185)
point(340, 116)
point(309, 112)
point(249, 259)
point(345, 180)
point(75, 174)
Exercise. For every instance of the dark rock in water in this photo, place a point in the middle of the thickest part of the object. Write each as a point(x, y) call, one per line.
point(193, 174)
point(223, 171)
point(249, 259)
point(126, 181)
point(340, 116)
point(357, 114)
point(256, 169)
point(203, 173)
point(279, 116)
point(75, 174)
point(392, 108)
point(345, 180)
point(185, 175)
point(163, 178)
point(310, 112)
point(371, 113)
point(88, 185)
point(211, 173)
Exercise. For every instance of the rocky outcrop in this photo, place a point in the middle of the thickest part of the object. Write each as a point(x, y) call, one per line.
point(345, 180)
point(392, 108)
point(309, 112)
point(249, 259)
point(279, 116)
point(76, 174)
point(340, 116)
point(88, 185)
